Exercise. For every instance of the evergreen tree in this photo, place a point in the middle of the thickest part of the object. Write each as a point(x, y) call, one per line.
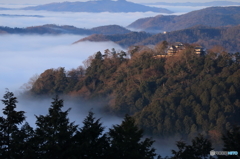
point(8, 125)
point(90, 140)
point(24, 144)
point(200, 149)
point(232, 141)
point(126, 141)
point(54, 133)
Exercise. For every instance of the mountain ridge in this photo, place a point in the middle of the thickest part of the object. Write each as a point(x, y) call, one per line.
point(65, 29)
point(97, 6)
point(212, 16)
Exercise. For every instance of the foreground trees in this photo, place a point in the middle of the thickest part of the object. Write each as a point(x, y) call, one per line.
point(8, 125)
point(126, 141)
point(199, 149)
point(55, 137)
point(54, 133)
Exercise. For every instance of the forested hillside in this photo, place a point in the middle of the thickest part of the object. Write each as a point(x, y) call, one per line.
point(125, 40)
point(212, 16)
point(177, 95)
point(228, 37)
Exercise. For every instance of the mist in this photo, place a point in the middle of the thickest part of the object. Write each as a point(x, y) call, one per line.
point(80, 20)
point(23, 56)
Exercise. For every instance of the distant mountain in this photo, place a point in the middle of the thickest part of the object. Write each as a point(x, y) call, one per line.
point(212, 16)
point(98, 6)
point(228, 37)
point(66, 29)
point(213, 3)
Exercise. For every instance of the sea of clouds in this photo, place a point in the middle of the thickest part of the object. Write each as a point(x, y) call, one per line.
point(23, 56)
point(80, 19)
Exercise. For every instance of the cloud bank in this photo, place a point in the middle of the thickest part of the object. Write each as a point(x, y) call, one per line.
point(80, 20)
point(24, 56)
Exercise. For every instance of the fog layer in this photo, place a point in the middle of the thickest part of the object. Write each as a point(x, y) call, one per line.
point(80, 20)
point(24, 56)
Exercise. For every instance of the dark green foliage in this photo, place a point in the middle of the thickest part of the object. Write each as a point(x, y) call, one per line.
point(55, 137)
point(8, 126)
point(91, 142)
point(54, 133)
point(232, 141)
point(200, 149)
point(125, 141)
point(25, 145)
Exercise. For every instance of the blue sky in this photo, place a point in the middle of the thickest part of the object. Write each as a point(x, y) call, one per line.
point(136, 1)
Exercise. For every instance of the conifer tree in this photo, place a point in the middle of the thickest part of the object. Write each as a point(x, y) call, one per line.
point(200, 149)
point(54, 132)
point(232, 141)
point(8, 125)
point(24, 144)
point(126, 141)
point(91, 142)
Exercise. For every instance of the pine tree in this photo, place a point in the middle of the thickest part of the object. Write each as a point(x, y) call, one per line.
point(24, 144)
point(126, 141)
point(8, 125)
point(90, 140)
point(232, 141)
point(199, 149)
point(54, 132)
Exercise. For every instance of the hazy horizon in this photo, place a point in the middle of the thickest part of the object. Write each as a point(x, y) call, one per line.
point(135, 1)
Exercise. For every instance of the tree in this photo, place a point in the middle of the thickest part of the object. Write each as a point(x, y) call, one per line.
point(199, 149)
point(91, 143)
point(24, 144)
point(232, 141)
point(54, 132)
point(126, 141)
point(60, 80)
point(8, 125)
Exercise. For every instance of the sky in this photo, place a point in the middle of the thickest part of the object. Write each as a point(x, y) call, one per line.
point(135, 1)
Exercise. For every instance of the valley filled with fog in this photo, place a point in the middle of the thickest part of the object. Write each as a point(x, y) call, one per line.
point(23, 56)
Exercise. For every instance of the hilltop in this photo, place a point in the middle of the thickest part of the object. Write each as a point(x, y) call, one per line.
point(212, 16)
point(182, 94)
point(98, 6)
